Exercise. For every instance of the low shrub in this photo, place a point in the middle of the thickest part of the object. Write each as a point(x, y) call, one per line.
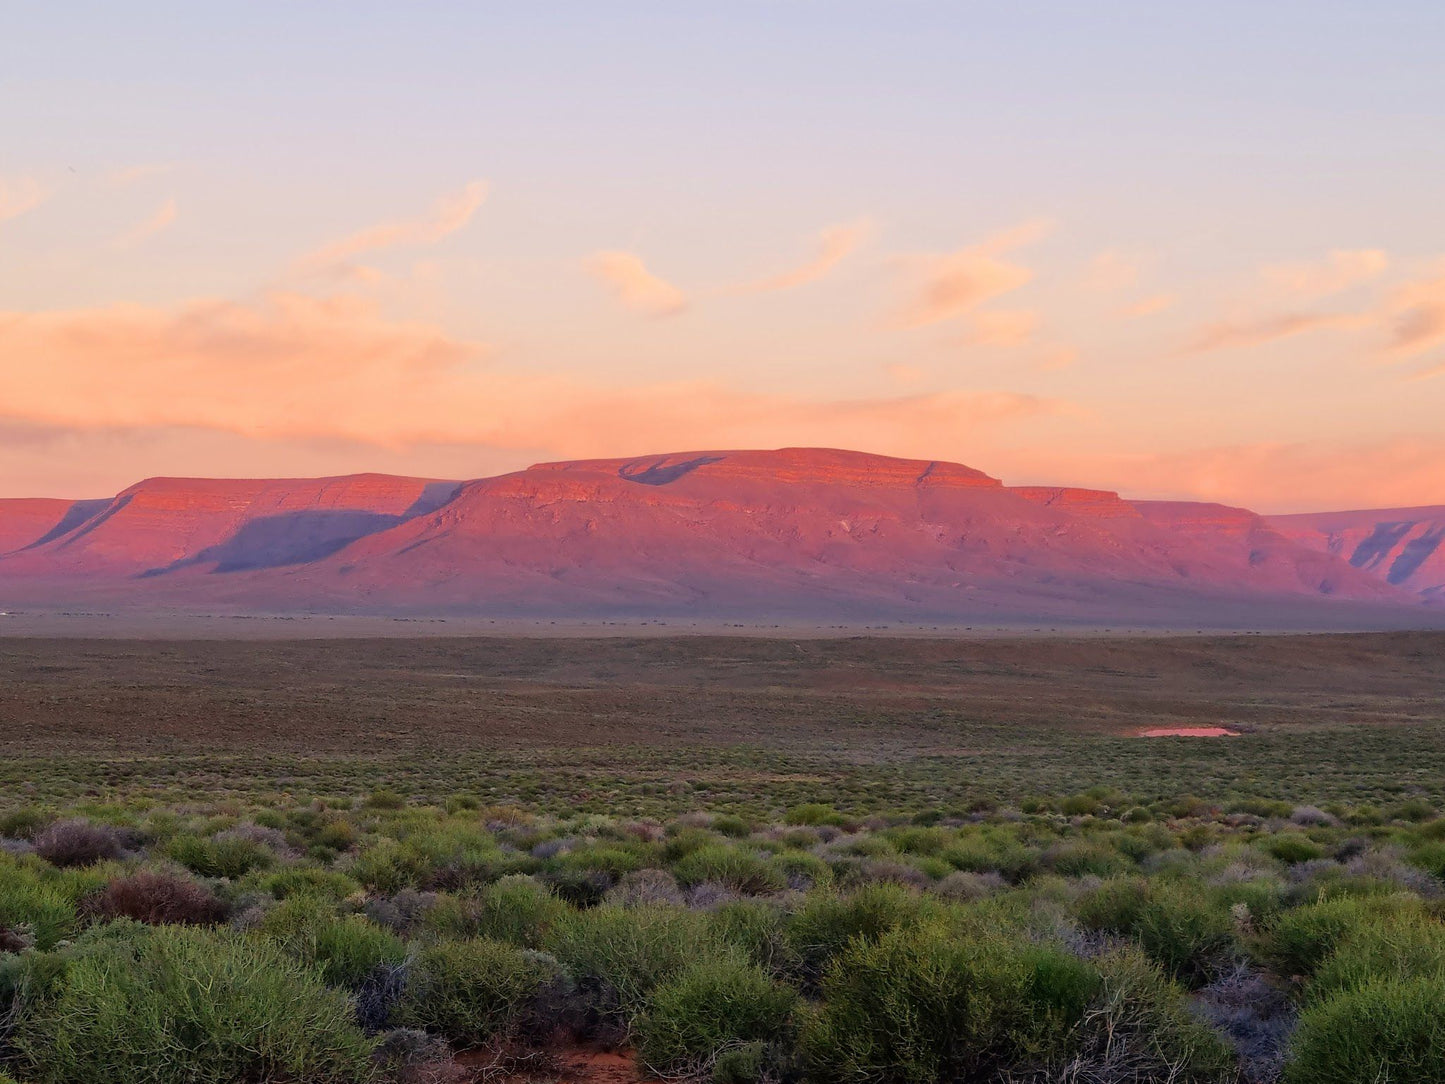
point(78, 843)
point(157, 897)
point(132, 1004)
point(34, 910)
point(920, 1005)
point(221, 855)
point(475, 991)
point(1139, 1029)
point(1386, 1030)
point(1179, 926)
point(346, 948)
point(516, 909)
point(1299, 940)
point(826, 923)
point(708, 1008)
point(620, 955)
point(1400, 946)
point(742, 871)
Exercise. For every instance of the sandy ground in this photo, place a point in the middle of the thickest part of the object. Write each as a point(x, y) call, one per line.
point(123, 625)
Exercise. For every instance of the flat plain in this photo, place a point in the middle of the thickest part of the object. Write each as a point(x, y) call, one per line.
point(634, 725)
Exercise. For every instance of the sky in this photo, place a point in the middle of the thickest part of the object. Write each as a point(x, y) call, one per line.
point(1186, 250)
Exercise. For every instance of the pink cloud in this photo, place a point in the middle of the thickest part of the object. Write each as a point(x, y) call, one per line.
point(19, 195)
point(448, 215)
point(954, 284)
point(835, 244)
point(292, 367)
point(1415, 318)
point(635, 286)
point(1229, 335)
point(1339, 271)
point(156, 223)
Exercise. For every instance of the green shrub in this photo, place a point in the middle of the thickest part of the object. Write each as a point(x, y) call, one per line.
point(131, 1004)
point(757, 929)
point(516, 909)
point(1298, 941)
point(474, 991)
point(623, 954)
point(813, 814)
point(220, 856)
point(827, 922)
point(1139, 1028)
point(1178, 925)
point(346, 948)
point(1086, 858)
point(740, 870)
point(1184, 931)
point(24, 823)
point(1387, 1030)
point(1293, 847)
point(708, 1007)
point(920, 1005)
point(307, 881)
point(35, 904)
point(1401, 946)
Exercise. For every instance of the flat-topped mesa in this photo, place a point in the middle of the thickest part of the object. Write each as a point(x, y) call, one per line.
point(160, 523)
point(1095, 503)
point(790, 466)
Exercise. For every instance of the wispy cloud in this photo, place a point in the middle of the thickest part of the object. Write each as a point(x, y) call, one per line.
point(1235, 335)
point(834, 245)
point(1415, 317)
point(947, 286)
point(1150, 306)
point(634, 285)
point(19, 195)
point(141, 231)
point(1006, 328)
point(1341, 270)
point(125, 175)
point(448, 215)
point(1112, 270)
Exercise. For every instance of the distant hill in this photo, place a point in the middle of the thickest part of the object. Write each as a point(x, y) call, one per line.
point(1404, 546)
point(799, 533)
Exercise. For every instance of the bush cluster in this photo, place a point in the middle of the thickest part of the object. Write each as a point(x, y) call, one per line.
point(1089, 938)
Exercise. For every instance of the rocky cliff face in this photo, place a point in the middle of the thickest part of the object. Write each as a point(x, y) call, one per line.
point(797, 533)
point(1403, 546)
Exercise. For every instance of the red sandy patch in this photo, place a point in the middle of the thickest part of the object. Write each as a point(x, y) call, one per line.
point(1189, 732)
point(572, 1066)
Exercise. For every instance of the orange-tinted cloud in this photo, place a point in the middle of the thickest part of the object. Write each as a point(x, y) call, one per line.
point(1006, 328)
point(1287, 477)
point(448, 215)
point(834, 245)
point(1415, 316)
point(1112, 270)
point(1150, 306)
point(162, 219)
point(634, 285)
point(1228, 335)
point(1341, 270)
point(130, 174)
point(292, 367)
point(19, 195)
point(954, 284)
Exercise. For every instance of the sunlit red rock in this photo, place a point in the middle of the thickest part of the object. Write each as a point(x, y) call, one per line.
point(808, 534)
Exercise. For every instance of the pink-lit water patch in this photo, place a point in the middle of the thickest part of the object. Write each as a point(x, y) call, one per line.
point(1189, 732)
